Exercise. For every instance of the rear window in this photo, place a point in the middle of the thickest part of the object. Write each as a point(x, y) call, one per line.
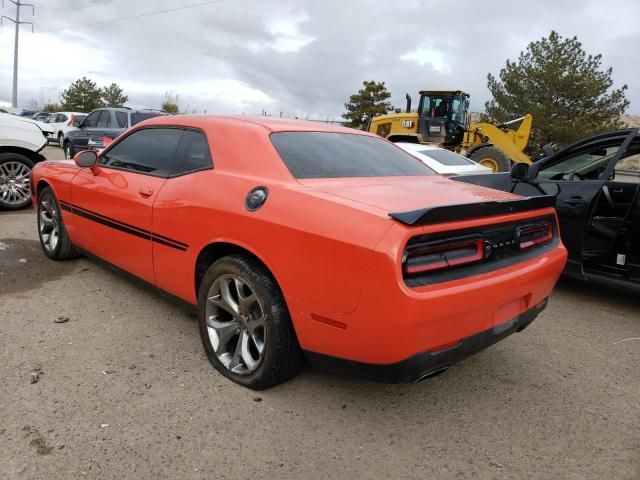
point(445, 157)
point(137, 117)
point(336, 155)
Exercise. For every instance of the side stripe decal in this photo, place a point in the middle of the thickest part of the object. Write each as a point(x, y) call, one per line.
point(123, 227)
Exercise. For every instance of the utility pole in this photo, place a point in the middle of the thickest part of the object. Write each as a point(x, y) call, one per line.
point(14, 98)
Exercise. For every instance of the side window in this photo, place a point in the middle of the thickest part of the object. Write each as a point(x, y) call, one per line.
point(631, 162)
point(148, 151)
point(105, 119)
point(121, 118)
point(92, 120)
point(193, 153)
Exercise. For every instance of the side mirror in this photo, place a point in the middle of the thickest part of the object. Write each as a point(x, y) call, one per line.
point(519, 171)
point(86, 158)
point(548, 150)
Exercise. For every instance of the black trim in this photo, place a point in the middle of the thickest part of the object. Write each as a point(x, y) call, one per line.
point(425, 364)
point(463, 211)
point(123, 227)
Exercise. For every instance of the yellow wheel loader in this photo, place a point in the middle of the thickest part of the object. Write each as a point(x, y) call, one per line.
point(443, 118)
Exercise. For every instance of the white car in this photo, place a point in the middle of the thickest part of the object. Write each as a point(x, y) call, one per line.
point(444, 162)
point(62, 122)
point(21, 140)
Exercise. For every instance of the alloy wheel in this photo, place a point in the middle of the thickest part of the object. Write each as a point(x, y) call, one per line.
point(236, 324)
point(49, 223)
point(61, 140)
point(67, 152)
point(14, 182)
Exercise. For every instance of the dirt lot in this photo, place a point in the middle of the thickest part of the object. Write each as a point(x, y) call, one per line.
point(124, 390)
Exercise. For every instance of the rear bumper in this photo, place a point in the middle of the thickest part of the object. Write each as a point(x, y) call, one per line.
point(425, 364)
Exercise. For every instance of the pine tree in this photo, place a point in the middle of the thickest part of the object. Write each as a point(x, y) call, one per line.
point(367, 103)
point(112, 96)
point(565, 89)
point(82, 96)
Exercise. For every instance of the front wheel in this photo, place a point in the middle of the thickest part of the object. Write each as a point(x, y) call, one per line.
point(68, 151)
point(61, 140)
point(245, 325)
point(53, 235)
point(15, 181)
point(492, 158)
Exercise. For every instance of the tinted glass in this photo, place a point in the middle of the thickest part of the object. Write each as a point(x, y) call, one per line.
point(335, 155)
point(92, 120)
point(193, 153)
point(60, 118)
point(104, 121)
point(146, 151)
point(445, 157)
point(121, 118)
point(137, 117)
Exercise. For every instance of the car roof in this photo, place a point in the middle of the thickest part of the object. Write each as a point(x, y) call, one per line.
point(269, 123)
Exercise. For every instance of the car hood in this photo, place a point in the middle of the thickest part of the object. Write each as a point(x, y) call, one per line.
point(396, 194)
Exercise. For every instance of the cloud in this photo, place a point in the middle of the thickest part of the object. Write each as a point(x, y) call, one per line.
point(303, 57)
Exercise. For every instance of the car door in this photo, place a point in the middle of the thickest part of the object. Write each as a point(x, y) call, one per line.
point(113, 201)
point(578, 176)
point(181, 207)
point(80, 137)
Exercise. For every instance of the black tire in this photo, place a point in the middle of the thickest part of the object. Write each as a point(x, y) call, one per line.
point(282, 357)
point(61, 140)
point(69, 152)
point(63, 249)
point(492, 158)
point(8, 159)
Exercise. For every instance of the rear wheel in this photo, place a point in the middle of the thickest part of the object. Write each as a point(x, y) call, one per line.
point(245, 325)
point(15, 173)
point(53, 235)
point(492, 158)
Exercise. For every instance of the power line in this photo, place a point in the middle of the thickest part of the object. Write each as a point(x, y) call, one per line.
point(132, 17)
point(72, 8)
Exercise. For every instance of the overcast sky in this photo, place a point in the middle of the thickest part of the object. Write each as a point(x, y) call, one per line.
point(299, 57)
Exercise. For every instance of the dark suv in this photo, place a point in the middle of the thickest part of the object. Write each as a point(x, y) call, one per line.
point(105, 122)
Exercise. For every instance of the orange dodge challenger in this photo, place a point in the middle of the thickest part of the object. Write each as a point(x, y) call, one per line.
point(299, 240)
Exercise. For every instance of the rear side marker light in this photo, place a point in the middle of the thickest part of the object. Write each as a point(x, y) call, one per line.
point(531, 235)
point(444, 255)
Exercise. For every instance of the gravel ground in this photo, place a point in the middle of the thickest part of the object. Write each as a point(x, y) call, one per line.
point(124, 390)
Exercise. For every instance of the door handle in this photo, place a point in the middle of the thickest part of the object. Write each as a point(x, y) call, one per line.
point(145, 191)
point(576, 202)
point(617, 190)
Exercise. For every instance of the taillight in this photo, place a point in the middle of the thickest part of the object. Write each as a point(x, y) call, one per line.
point(70, 124)
point(530, 235)
point(444, 254)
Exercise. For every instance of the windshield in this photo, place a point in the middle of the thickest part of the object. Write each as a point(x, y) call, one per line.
point(584, 164)
point(434, 106)
point(337, 155)
point(445, 157)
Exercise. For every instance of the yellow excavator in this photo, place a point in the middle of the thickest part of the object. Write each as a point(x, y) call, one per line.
point(443, 118)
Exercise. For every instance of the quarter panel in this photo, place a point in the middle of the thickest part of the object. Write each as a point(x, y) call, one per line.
point(317, 249)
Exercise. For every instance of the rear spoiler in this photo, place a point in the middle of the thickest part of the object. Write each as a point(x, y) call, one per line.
point(464, 211)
